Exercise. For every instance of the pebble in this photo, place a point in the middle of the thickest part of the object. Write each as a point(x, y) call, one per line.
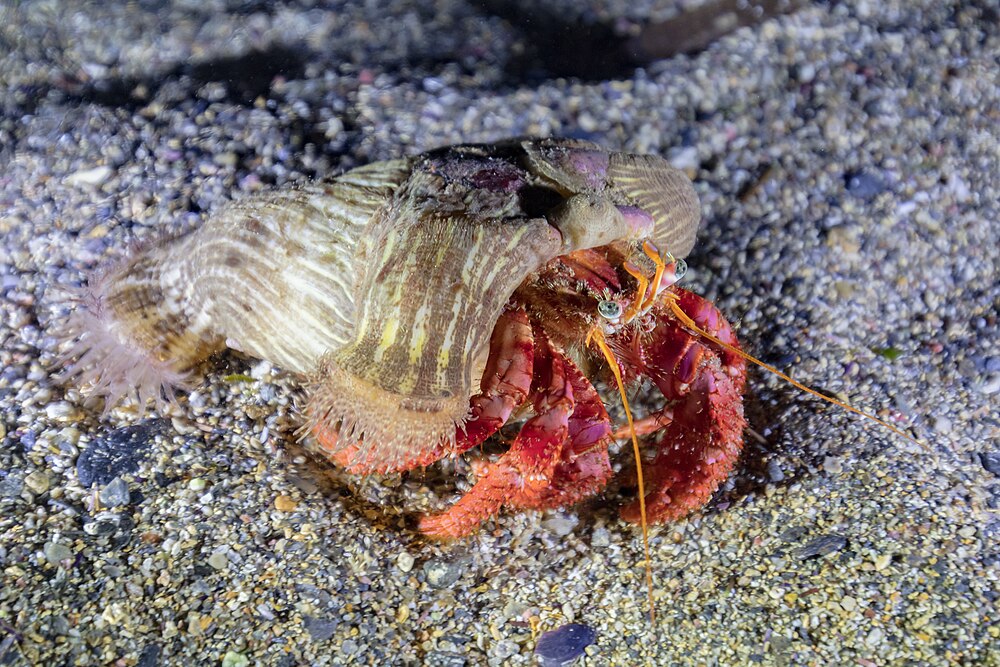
point(833, 465)
point(56, 553)
point(90, 177)
point(115, 494)
point(108, 524)
point(822, 546)
point(564, 644)
point(864, 184)
point(990, 462)
point(561, 525)
point(285, 503)
point(445, 659)
point(234, 659)
point(218, 560)
point(442, 574)
point(404, 561)
point(37, 482)
point(320, 629)
point(11, 486)
point(117, 453)
point(505, 648)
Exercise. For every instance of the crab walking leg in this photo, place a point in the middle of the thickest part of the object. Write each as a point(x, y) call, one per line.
point(504, 386)
point(703, 385)
point(506, 380)
point(584, 466)
point(522, 475)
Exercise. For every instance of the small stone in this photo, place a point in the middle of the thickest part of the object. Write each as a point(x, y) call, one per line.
point(833, 465)
point(564, 644)
point(55, 553)
point(117, 453)
point(990, 462)
point(234, 659)
point(774, 472)
point(848, 603)
point(218, 560)
point(442, 575)
point(404, 561)
point(822, 546)
point(349, 647)
point(115, 494)
point(197, 484)
point(684, 159)
point(150, 656)
point(62, 411)
point(504, 649)
point(11, 486)
point(90, 177)
point(445, 659)
point(874, 637)
point(114, 614)
point(882, 561)
point(105, 524)
point(285, 503)
point(864, 184)
point(560, 525)
point(968, 532)
point(319, 629)
point(991, 385)
point(805, 73)
point(37, 481)
point(600, 537)
point(942, 425)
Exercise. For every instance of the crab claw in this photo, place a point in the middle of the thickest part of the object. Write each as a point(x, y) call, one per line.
point(559, 456)
point(699, 432)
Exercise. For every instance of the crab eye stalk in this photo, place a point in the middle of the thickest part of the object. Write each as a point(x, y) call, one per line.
point(609, 310)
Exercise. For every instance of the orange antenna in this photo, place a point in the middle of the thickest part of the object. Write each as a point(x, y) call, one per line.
point(597, 335)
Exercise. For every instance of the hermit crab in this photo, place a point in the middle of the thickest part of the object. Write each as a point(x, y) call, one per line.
point(427, 301)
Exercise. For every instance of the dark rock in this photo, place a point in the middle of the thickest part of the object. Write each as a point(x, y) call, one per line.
point(864, 184)
point(150, 656)
point(822, 546)
point(117, 453)
point(320, 629)
point(991, 462)
point(564, 644)
point(774, 472)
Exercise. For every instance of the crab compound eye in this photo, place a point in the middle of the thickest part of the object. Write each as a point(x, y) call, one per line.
point(609, 310)
point(680, 268)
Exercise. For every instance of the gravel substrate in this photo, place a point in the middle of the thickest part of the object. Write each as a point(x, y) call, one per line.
point(847, 160)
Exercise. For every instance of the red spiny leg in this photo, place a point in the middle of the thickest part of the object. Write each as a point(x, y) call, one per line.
point(703, 433)
point(523, 475)
point(584, 466)
point(504, 386)
point(506, 380)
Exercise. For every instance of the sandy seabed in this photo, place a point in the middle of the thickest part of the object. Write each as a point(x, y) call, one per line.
point(847, 161)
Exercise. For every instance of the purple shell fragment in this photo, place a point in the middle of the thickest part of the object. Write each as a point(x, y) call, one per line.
point(565, 644)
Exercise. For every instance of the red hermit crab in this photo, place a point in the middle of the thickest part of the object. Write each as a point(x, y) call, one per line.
point(429, 300)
